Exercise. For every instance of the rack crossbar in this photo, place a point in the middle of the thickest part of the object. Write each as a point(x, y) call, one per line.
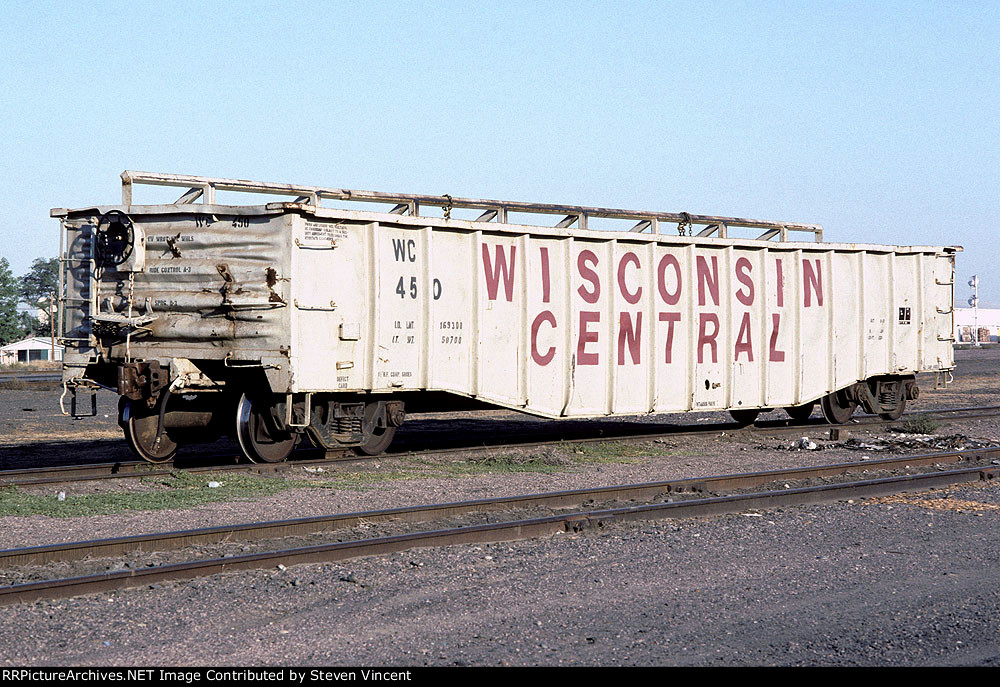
point(408, 203)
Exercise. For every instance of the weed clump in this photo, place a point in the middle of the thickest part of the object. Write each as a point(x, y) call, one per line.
point(919, 424)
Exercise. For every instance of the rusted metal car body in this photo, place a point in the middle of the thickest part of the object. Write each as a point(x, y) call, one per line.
point(286, 319)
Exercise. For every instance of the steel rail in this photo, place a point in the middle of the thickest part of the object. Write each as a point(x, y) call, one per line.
point(168, 541)
point(493, 532)
point(31, 477)
point(637, 431)
point(133, 469)
point(30, 377)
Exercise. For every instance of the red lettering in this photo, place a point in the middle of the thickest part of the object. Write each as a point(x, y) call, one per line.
point(704, 338)
point(544, 252)
point(780, 284)
point(632, 335)
point(812, 280)
point(661, 279)
point(743, 268)
point(632, 298)
point(705, 278)
point(588, 274)
point(544, 316)
point(494, 271)
point(774, 354)
point(670, 318)
point(586, 337)
point(743, 344)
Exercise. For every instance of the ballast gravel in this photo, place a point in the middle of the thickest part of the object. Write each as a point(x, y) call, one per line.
point(841, 584)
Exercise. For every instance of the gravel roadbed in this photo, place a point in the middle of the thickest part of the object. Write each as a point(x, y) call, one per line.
point(840, 584)
point(370, 530)
point(675, 459)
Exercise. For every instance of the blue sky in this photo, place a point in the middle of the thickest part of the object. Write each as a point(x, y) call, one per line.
point(878, 120)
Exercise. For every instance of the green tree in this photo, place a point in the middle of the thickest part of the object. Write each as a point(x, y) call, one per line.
point(31, 325)
point(10, 325)
point(40, 282)
point(35, 288)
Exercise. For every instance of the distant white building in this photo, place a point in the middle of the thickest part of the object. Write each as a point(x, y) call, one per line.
point(35, 349)
point(968, 320)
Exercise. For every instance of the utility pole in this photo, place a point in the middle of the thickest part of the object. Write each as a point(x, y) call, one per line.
point(974, 302)
point(52, 327)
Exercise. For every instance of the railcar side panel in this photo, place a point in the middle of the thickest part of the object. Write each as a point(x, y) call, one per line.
point(845, 359)
point(586, 324)
point(814, 329)
point(876, 292)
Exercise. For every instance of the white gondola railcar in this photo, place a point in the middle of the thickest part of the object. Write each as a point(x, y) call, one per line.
point(281, 319)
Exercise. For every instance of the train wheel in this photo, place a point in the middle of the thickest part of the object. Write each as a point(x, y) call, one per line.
point(801, 413)
point(261, 440)
point(836, 408)
point(381, 438)
point(745, 417)
point(383, 429)
point(139, 426)
point(896, 412)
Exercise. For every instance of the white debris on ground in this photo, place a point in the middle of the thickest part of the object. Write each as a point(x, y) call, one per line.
point(908, 442)
point(895, 443)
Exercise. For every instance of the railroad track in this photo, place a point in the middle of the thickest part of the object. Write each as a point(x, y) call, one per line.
point(689, 504)
point(627, 431)
point(30, 377)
